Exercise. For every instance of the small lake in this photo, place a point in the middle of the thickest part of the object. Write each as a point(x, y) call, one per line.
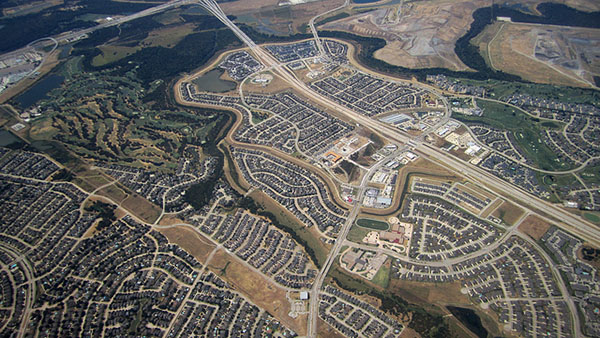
point(6, 138)
point(470, 319)
point(39, 91)
point(210, 82)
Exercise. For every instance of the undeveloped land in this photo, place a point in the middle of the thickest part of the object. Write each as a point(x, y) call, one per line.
point(191, 241)
point(508, 212)
point(534, 227)
point(257, 288)
point(555, 55)
point(421, 36)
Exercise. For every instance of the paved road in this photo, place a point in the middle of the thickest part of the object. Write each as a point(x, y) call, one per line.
point(571, 223)
point(66, 36)
point(314, 296)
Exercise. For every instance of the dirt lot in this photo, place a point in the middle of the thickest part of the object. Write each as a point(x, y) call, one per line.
point(325, 330)
point(261, 291)
point(508, 212)
point(544, 55)
point(423, 36)
point(534, 227)
point(191, 241)
point(142, 208)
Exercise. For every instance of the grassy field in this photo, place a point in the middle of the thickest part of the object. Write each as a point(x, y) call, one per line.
point(142, 208)
point(357, 233)
point(382, 278)
point(372, 224)
point(525, 129)
point(591, 174)
point(508, 213)
point(191, 241)
point(163, 37)
point(593, 217)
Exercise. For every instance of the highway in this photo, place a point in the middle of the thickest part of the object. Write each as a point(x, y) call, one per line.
point(314, 31)
point(571, 223)
point(71, 35)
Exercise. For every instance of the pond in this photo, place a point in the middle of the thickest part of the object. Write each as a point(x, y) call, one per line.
point(470, 319)
point(210, 82)
point(6, 138)
point(38, 91)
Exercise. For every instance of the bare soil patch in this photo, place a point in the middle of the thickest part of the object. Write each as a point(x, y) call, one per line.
point(191, 241)
point(260, 290)
point(508, 212)
point(534, 227)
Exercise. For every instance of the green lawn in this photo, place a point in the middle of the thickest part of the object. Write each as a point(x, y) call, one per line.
point(356, 234)
point(591, 174)
point(372, 224)
point(592, 217)
point(382, 278)
point(501, 89)
point(525, 129)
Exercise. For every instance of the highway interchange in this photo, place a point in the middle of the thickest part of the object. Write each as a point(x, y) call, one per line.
point(568, 221)
point(531, 204)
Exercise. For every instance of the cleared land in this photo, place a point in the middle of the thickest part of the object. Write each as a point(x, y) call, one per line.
point(562, 56)
point(418, 35)
point(191, 241)
point(325, 330)
point(142, 208)
point(534, 227)
point(508, 212)
point(257, 288)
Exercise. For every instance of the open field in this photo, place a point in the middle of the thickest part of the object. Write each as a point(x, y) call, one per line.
point(325, 330)
point(534, 227)
point(357, 233)
point(115, 193)
point(261, 291)
point(558, 55)
point(142, 208)
point(491, 208)
point(191, 241)
point(162, 37)
point(508, 212)
point(382, 277)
